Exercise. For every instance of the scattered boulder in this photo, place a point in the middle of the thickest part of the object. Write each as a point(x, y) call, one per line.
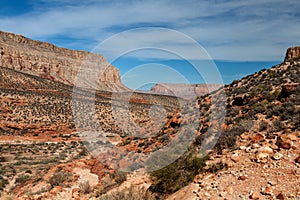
point(283, 141)
point(255, 195)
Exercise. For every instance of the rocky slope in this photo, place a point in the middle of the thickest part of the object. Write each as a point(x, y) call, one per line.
point(257, 154)
point(186, 91)
point(48, 61)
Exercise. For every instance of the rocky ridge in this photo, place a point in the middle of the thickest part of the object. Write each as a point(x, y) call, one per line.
point(292, 53)
point(59, 64)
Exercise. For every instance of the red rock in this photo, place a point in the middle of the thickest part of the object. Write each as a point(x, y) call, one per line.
point(242, 178)
point(280, 196)
point(284, 142)
point(258, 137)
point(56, 63)
point(297, 160)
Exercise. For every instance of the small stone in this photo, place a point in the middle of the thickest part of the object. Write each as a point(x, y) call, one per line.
point(235, 158)
point(274, 146)
point(277, 156)
point(262, 157)
point(265, 149)
point(229, 164)
point(292, 137)
point(297, 160)
point(242, 178)
point(255, 145)
point(267, 191)
point(222, 194)
point(284, 142)
point(255, 195)
point(248, 149)
point(280, 196)
point(229, 190)
point(243, 147)
point(258, 137)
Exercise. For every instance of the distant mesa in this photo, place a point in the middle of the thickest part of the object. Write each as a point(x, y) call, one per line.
point(59, 64)
point(185, 91)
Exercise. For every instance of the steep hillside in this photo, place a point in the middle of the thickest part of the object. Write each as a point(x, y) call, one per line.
point(257, 153)
point(54, 63)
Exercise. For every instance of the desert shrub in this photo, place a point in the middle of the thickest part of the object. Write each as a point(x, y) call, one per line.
point(58, 178)
point(22, 178)
point(216, 167)
point(273, 74)
point(263, 126)
point(233, 112)
point(273, 95)
point(277, 126)
point(119, 176)
point(243, 126)
point(226, 140)
point(85, 187)
point(273, 110)
point(3, 159)
point(259, 108)
point(3, 183)
point(177, 175)
point(296, 120)
point(129, 194)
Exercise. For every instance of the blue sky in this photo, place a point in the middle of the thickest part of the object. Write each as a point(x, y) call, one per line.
point(240, 36)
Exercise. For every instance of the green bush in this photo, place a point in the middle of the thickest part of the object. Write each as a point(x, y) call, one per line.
point(177, 175)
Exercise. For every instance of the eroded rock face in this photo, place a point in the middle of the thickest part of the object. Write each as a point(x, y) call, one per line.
point(292, 52)
point(186, 91)
point(59, 64)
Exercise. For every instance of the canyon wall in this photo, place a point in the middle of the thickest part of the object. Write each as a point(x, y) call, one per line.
point(59, 64)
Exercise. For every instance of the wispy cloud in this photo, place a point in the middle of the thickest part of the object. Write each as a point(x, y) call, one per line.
point(230, 30)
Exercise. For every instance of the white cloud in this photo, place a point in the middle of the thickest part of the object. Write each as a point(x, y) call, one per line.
point(230, 30)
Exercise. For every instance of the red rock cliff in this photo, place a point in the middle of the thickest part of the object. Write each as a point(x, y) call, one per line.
point(292, 52)
point(60, 64)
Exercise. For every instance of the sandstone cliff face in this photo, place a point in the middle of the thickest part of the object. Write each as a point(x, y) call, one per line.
point(186, 91)
point(59, 64)
point(292, 52)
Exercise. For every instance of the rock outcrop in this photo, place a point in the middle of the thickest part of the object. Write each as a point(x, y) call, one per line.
point(185, 91)
point(292, 52)
point(59, 64)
